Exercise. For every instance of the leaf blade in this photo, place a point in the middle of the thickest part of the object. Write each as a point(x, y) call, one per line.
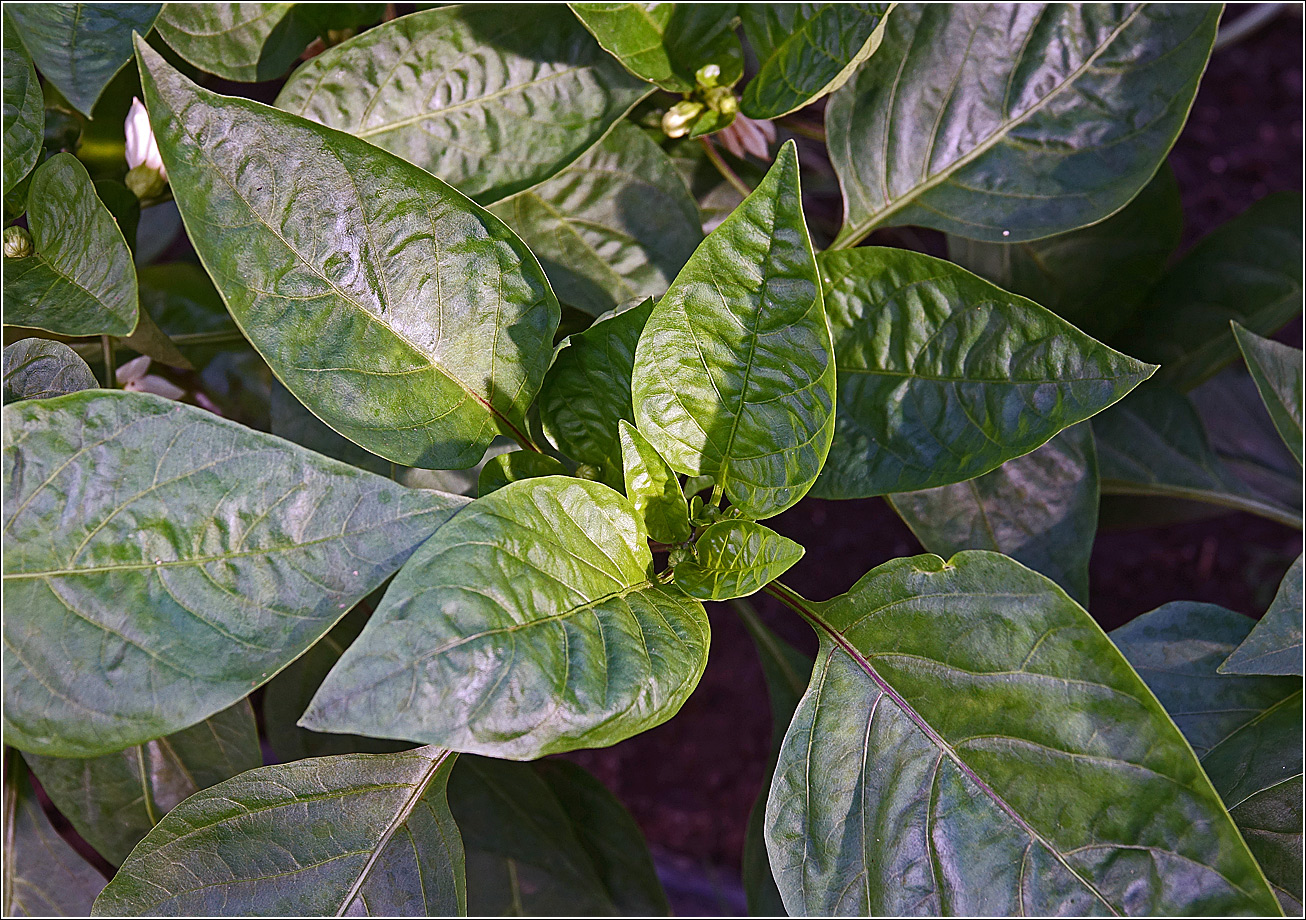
point(735, 558)
point(41, 368)
point(1277, 370)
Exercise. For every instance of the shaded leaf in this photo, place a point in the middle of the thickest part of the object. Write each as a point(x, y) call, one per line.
point(667, 43)
point(237, 41)
point(735, 558)
point(1275, 644)
point(944, 377)
point(41, 368)
point(513, 465)
point(24, 110)
point(653, 489)
point(204, 558)
point(418, 326)
point(1277, 370)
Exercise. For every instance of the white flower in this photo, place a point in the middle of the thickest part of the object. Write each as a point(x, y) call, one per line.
point(132, 376)
point(142, 148)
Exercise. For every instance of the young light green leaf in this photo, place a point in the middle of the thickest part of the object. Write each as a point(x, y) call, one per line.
point(1248, 270)
point(115, 800)
point(806, 51)
point(80, 279)
point(363, 834)
point(1275, 644)
point(735, 558)
point(1277, 370)
point(513, 465)
point(653, 489)
point(943, 377)
point(529, 625)
point(546, 838)
point(80, 46)
point(1010, 123)
point(41, 368)
point(24, 110)
point(614, 226)
point(983, 749)
point(667, 43)
point(245, 42)
point(587, 390)
point(734, 371)
point(203, 559)
point(407, 318)
point(491, 100)
point(1039, 509)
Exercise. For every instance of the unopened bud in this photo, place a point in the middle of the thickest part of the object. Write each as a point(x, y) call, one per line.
point(146, 182)
point(707, 75)
point(588, 471)
point(679, 117)
point(18, 243)
point(722, 100)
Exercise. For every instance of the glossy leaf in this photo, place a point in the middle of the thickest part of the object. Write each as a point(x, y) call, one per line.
point(806, 51)
point(1277, 370)
point(1248, 270)
point(1095, 278)
point(653, 489)
point(734, 371)
point(514, 465)
point(203, 559)
point(527, 626)
point(80, 46)
point(245, 42)
point(1275, 644)
point(614, 226)
point(944, 377)
point(982, 748)
point(115, 800)
point(1039, 509)
point(491, 99)
point(364, 834)
point(1008, 123)
point(43, 875)
point(24, 110)
point(735, 558)
point(80, 279)
point(418, 326)
point(546, 838)
point(667, 43)
point(41, 368)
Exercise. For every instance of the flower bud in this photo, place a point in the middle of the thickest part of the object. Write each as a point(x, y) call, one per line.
point(588, 471)
point(678, 118)
point(146, 175)
point(707, 75)
point(18, 243)
point(722, 100)
point(145, 182)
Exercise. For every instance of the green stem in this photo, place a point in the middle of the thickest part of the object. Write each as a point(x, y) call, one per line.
point(723, 167)
point(1223, 499)
point(802, 129)
point(110, 364)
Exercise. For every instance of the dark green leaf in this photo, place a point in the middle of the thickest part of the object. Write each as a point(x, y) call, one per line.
point(40, 368)
point(24, 110)
point(80, 46)
point(1039, 509)
point(364, 834)
point(943, 377)
point(329, 17)
point(614, 226)
point(653, 489)
point(115, 800)
point(204, 558)
point(1275, 644)
point(513, 465)
point(529, 625)
point(237, 41)
point(418, 326)
point(1013, 122)
point(491, 99)
point(734, 372)
point(735, 559)
point(972, 744)
point(1277, 370)
point(80, 280)
point(806, 51)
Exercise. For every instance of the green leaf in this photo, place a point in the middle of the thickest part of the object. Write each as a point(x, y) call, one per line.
point(1007, 124)
point(24, 110)
point(80, 279)
point(1039, 509)
point(41, 368)
point(1275, 644)
point(982, 748)
point(529, 625)
point(43, 875)
point(514, 465)
point(1095, 278)
point(246, 42)
point(734, 372)
point(364, 834)
point(491, 100)
point(735, 558)
point(546, 838)
point(667, 43)
point(653, 489)
point(587, 390)
point(115, 800)
point(1277, 370)
point(614, 226)
point(944, 377)
point(404, 316)
point(204, 558)
point(806, 51)
point(79, 47)
point(1248, 270)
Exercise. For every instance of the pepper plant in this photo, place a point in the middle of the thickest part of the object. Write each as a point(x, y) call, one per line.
point(467, 419)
